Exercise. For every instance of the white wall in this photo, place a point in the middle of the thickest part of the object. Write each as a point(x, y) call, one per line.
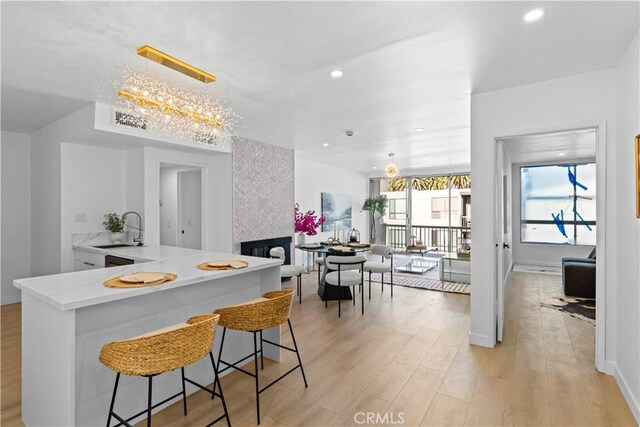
point(169, 208)
point(626, 265)
point(573, 102)
point(312, 178)
point(16, 213)
point(45, 189)
point(533, 253)
point(93, 181)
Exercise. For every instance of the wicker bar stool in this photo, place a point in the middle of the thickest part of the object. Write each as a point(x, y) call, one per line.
point(273, 309)
point(162, 351)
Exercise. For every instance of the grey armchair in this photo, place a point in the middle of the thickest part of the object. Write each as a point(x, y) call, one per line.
point(579, 276)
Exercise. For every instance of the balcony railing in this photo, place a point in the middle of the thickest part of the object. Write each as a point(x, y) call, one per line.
point(441, 237)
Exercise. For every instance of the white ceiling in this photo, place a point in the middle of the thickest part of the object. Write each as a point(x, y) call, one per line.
point(542, 148)
point(406, 65)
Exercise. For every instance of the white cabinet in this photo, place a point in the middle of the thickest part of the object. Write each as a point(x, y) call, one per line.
point(87, 260)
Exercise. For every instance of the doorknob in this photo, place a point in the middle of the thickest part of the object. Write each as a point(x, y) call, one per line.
point(505, 246)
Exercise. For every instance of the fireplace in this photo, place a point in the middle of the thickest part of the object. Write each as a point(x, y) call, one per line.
point(260, 248)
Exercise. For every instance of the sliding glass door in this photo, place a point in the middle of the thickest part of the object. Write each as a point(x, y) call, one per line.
point(396, 220)
point(434, 211)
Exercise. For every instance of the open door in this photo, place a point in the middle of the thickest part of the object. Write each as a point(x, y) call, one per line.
point(190, 208)
point(503, 232)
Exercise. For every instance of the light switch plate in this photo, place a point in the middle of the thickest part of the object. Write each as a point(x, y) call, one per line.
point(79, 217)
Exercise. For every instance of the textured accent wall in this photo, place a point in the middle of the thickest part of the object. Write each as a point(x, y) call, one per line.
point(263, 191)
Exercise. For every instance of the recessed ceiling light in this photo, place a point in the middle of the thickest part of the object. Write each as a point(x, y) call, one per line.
point(534, 15)
point(375, 167)
point(325, 145)
point(336, 74)
point(418, 129)
point(561, 154)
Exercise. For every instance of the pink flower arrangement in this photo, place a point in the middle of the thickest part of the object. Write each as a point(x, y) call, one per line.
point(307, 222)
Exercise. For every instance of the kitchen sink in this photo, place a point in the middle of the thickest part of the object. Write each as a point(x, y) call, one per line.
point(114, 246)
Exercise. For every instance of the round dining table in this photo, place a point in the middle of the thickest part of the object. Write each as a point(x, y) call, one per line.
point(330, 293)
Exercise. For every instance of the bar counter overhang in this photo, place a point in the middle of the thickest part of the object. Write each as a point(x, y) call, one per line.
point(66, 318)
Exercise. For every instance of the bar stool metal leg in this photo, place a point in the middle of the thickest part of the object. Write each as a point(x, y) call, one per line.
point(261, 353)
point(369, 284)
point(293, 337)
point(216, 383)
point(113, 399)
point(184, 393)
point(149, 401)
point(255, 364)
point(224, 332)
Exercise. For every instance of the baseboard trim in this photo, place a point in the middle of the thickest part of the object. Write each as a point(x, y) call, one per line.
point(537, 263)
point(608, 368)
point(628, 396)
point(481, 340)
point(11, 299)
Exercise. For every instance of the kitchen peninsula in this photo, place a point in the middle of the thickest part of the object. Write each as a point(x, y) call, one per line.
point(66, 318)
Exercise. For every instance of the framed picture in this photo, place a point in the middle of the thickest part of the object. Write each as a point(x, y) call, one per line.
point(336, 209)
point(637, 162)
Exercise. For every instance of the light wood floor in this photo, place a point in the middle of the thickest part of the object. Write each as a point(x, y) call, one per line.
point(408, 355)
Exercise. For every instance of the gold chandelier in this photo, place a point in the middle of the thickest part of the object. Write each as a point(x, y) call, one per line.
point(173, 110)
point(391, 171)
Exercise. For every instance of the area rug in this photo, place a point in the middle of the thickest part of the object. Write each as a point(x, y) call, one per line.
point(580, 308)
point(422, 283)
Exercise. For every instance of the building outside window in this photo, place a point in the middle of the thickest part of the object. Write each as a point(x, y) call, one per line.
point(434, 210)
point(397, 208)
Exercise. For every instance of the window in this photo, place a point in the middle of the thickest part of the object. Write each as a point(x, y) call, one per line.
point(397, 208)
point(558, 204)
point(440, 207)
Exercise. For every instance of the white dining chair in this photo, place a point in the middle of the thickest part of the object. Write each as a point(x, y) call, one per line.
point(347, 271)
point(288, 271)
point(382, 267)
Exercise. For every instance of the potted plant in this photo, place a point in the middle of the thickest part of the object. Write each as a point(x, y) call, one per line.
point(373, 205)
point(306, 223)
point(115, 224)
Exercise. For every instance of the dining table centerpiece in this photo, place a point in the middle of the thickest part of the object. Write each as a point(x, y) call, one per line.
point(306, 224)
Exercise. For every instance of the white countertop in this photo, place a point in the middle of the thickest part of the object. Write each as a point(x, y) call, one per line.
point(144, 253)
point(70, 291)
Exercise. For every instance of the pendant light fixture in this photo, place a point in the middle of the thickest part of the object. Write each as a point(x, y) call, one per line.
point(391, 171)
point(173, 110)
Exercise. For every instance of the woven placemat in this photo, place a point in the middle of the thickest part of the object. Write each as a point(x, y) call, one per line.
point(115, 282)
point(233, 265)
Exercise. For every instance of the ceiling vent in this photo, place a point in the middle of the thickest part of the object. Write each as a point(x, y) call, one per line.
point(206, 138)
point(129, 120)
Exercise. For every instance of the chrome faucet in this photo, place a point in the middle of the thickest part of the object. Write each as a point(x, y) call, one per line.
point(139, 227)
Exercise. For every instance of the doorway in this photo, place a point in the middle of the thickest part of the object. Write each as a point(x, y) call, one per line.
point(180, 205)
point(548, 208)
